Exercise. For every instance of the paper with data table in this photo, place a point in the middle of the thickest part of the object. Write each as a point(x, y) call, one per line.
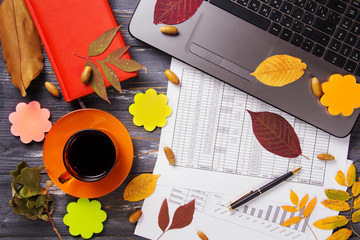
point(210, 133)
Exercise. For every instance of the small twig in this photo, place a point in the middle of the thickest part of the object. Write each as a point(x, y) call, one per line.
point(81, 56)
point(161, 235)
point(52, 223)
point(311, 231)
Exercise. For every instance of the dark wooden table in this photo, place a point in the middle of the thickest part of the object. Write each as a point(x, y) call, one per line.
point(13, 151)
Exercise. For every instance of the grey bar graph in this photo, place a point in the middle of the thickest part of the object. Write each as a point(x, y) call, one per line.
point(252, 212)
point(268, 212)
point(283, 217)
point(245, 209)
point(276, 214)
point(260, 213)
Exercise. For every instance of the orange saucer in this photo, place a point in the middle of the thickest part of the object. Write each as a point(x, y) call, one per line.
point(72, 123)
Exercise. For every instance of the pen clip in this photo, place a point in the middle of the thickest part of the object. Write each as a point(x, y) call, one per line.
point(239, 198)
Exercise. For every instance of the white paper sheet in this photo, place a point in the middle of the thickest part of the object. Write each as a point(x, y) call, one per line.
point(216, 151)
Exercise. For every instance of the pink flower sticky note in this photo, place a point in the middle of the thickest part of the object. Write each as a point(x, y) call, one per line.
point(30, 122)
point(341, 94)
point(85, 217)
point(150, 110)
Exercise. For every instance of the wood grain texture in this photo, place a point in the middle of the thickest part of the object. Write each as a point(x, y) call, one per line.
point(12, 150)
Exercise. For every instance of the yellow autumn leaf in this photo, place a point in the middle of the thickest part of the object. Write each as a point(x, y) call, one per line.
point(331, 223)
point(337, 205)
point(356, 216)
point(279, 70)
point(356, 204)
point(340, 178)
point(337, 194)
point(290, 208)
point(140, 187)
point(309, 208)
point(291, 221)
point(294, 198)
point(356, 189)
point(303, 202)
point(341, 234)
point(351, 175)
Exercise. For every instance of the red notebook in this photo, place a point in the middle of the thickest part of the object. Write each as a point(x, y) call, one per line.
point(69, 26)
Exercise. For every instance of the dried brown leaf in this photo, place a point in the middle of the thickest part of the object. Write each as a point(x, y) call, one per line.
point(127, 65)
point(102, 42)
point(351, 175)
point(331, 223)
point(163, 218)
point(21, 44)
point(294, 198)
point(110, 76)
point(291, 221)
point(341, 234)
point(303, 202)
point(97, 81)
point(309, 208)
point(183, 215)
point(337, 205)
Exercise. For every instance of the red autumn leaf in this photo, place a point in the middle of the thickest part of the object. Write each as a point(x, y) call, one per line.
point(163, 218)
point(175, 11)
point(275, 134)
point(183, 215)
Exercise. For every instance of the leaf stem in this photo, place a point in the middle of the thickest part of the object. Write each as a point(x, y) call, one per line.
point(52, 223)
point(311, 231)
point(161, 235)
point(81, 56)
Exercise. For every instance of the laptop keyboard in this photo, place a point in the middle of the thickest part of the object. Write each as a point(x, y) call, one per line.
point(326, 28)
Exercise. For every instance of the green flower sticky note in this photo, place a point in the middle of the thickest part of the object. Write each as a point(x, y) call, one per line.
point(85, 218)
point(150, 110)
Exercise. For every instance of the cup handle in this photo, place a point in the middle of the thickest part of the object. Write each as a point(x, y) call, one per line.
point(66, 176)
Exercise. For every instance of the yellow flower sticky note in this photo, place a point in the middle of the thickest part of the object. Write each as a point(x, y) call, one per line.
point(150, 110)
point(341, 94)
point(85, 218)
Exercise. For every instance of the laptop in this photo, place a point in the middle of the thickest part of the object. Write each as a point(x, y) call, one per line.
point(228, 39)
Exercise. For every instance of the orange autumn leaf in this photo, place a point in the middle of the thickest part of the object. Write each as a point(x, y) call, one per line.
point(294, 198)
point(279, 70)
point(337, 205)
point(290, 208)
point(340, 178)
point(356, 204)
point(303, 202)
point(140, 187)
point(291, 221)
point(309, 208)
point(331, 223)
point(341, 234)
point(351, 175)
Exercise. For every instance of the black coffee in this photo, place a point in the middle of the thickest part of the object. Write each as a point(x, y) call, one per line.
point(89, 155)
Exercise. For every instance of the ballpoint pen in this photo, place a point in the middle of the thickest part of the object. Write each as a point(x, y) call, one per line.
point(254, 193)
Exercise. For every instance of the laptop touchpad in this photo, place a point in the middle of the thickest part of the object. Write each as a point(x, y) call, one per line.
point(229, 42)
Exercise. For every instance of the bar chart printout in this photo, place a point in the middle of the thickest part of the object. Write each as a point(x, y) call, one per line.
point(213, 132)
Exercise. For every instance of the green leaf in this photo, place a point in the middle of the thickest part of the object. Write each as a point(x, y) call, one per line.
point(331, 223)
point(127, 65)
point(337, 194)
point(102, 42)
point(110, 76)
point(30, 180)
point(19, 167)
point(97, 81)
point(356, 216)
point(356, 189)
point(21, 208)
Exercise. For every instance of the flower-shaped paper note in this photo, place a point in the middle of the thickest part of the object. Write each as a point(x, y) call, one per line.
point(150, 110)
point(30, 122)
point(341, 94)
point(85, 217)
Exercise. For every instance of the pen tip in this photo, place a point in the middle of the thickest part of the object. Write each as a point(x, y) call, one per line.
point(296, 170)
